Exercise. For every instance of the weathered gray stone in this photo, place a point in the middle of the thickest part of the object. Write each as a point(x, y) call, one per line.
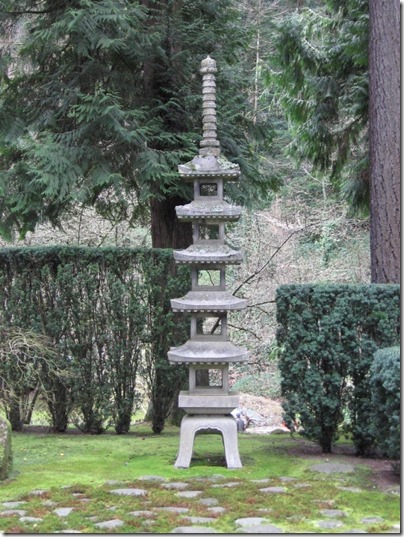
point(332, 513)
point(216, 510)
point(262, 528)
point(38, 492)
point(63, 511)
point(189, 493)
point(178, 485)
point(152, 478)
point(142, 513)
point(274, 490)
point(199, 519)
point(329, 524)
point(350, 489)
point(332, 468)
point(13, 505)
point(31, 519)
point(251, 521)
point(265, 480)
point(129, 492)
point(109, 524)
point(372, 520)
point(287, 479)
point(193, 425)
point(192, 529)
point(208, 501)
point(11, 512)
point(178, 510)
point(6, 454)
point(230, 484)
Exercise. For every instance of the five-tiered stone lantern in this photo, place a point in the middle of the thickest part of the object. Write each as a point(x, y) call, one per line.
point(208, 353)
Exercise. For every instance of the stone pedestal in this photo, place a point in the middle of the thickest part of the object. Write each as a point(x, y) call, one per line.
point(191, 426)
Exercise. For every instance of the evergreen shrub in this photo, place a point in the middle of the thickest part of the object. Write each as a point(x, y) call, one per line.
point(385, 388)
point(107, 312)
point(329, 333)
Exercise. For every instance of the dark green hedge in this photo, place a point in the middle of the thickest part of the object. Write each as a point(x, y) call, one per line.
point(385, 382)
point(329, 334)
point(107, 311)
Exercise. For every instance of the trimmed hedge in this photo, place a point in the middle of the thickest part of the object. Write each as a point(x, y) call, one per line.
point(329, 333)
point(107, 311)
point(385, 386)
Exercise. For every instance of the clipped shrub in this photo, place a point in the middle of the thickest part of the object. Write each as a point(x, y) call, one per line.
point(329, 333)
point(385, 388)
point(105, 310)
point(6, 454)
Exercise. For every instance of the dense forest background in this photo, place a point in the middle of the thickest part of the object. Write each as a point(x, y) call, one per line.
point(101, 100)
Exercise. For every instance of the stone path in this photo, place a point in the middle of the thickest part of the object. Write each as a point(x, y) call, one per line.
point(153, 504)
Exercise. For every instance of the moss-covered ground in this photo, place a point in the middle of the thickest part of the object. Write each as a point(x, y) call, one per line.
point(79, 471)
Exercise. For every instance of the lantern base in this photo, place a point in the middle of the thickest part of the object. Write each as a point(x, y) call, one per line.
point(191, 426)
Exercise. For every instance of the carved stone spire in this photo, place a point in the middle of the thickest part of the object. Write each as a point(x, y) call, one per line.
point(209, 145)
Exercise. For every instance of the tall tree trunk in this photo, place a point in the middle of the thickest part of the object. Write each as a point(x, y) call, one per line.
point(166, 230)
point(384, 124)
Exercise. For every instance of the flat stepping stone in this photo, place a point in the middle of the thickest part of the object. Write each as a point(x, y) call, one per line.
point(178, 510)
point(287, 479)
point(113, 482)
point(329, 524)
point(30, 519)
point(63, 511)
point(274, 490)
point(189, 493)
point(152, 478)
point(129, 492)
point(332, 468)
point(250, 521)
point(38, 492)
point(178, 485)
point(13, 505)
point(230, 484)
point(372, 520)
point(332, 512)
point(262, 528)
point(265, 480)
point(11, 512)
point(199, 519)
point(216, 510)
point(192, 529)
point(208, 501)
point(350, 489)
point(109, 524)
point(142, 513)
point(48, 503)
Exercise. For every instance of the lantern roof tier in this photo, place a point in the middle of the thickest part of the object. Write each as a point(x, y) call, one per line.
point(207, 352)
point(208, 253)
point(208, 301)
point(210, 209)
point(204, 166)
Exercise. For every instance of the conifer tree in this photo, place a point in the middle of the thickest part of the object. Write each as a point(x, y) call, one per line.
point(100, 100)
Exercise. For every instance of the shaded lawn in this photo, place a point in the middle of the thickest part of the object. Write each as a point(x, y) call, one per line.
point(84, 463)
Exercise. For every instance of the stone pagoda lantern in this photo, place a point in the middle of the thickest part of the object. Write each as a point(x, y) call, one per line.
point(208, 353)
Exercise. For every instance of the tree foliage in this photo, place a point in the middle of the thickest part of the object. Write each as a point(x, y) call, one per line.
point(319, 72)
point(100, 100)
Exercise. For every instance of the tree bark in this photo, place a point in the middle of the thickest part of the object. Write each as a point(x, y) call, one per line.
point(384, 132)
point(166, 230)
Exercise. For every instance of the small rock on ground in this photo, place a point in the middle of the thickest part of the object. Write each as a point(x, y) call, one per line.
point(275, 490)
point(129, 492)
point(30, 519)
point(250, 521)
point(109, 524)
point(332, 512)
point(192, 529)
point(63, 511)
point(329, 524)
point(189, 493)
point(263, 528)
point(372, 520)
